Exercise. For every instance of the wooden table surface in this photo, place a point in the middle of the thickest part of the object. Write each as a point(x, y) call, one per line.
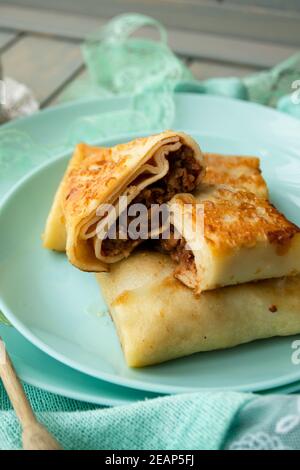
point(42, 49)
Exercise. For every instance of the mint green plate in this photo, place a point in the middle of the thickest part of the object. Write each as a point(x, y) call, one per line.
point(57, 307)
point(38, 369)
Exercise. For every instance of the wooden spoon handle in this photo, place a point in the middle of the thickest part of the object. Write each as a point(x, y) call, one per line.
point(35, 436)
point(14, 389)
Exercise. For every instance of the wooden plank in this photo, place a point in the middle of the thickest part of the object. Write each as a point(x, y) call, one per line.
point(202, 70)
point(48, 21)
point(7, 38)
point(186, 43)
point(278, 4)
point(43, 64)
point(57, 97)
point(251, 22)
point(218, 48)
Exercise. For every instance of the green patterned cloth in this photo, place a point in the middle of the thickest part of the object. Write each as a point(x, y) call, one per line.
point(215, 420)
point(120, 63)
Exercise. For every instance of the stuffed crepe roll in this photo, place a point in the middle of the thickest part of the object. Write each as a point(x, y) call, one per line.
point(151, 170)
point(158, 318)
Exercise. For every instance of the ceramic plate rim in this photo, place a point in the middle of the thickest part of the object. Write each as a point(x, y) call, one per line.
point(92, 397)
point(121, 381)
point(78, 104)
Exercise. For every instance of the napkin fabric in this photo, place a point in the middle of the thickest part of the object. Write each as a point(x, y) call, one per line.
point(195, 421)
point(120, 64)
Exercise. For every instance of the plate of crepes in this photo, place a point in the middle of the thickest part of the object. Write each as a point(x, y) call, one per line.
point(166, 262)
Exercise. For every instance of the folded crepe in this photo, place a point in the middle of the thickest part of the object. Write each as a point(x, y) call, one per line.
point(226, 236)
point(238, 171)
point(158, 318)
point(147, 170)
point(228, 232)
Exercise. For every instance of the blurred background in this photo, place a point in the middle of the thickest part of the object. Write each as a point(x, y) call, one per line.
point(40, 39)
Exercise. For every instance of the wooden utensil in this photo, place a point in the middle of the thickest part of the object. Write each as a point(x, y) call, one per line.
point(34, 436)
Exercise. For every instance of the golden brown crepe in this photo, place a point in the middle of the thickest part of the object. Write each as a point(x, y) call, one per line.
point(151, 169)
point(240, 237)
point(158, 318)
point(225, 236)
point(237, 171)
